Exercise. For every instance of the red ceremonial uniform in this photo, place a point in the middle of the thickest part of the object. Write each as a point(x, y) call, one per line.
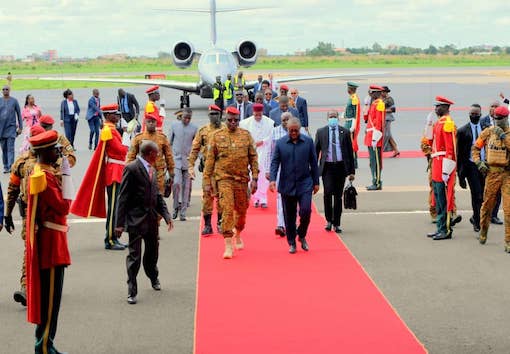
point(46, 247)
point(443, 146)
point(376, 117)
point(106, 166)
point(152, 109)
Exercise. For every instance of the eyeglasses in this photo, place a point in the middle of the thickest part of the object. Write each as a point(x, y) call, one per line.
point(295, 130)
point(232, 120)
point(239, 94)
point(5, 89)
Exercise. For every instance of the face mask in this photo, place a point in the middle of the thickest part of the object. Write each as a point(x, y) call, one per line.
point(333, 122)
point(474, 119)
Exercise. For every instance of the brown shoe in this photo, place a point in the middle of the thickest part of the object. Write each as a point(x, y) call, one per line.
point(228, 248)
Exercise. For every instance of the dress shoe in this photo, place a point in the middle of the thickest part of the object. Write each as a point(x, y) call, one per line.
point(114, 247)
point(373, 187)
point(432, 234)
point(337, 229)
point(182, 217)
point(156, 285)
point(328, 226)
point(90, 146)
point(117, 242)
point(6, 170)
point(263, 205)
point(256, 205)
point(175, 213)
point(207, 230)
point(455, 220)
point(496, 220)
point(131, 300)
point(442, 236)
point(396, 154)
point(21, 297)
point(280, 230)
point(304, 244)
point(292, 249)
point(476, 228)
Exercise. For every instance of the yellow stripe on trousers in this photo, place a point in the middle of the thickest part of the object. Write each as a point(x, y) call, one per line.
point(112, 209)
point(377, 165)
point(46, 333)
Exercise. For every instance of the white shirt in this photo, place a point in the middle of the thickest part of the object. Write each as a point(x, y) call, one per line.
point(70, 107)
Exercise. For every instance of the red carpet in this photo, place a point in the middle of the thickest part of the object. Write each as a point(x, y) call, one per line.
point(266, 300)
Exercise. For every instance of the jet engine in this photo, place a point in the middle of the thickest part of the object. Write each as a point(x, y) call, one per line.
point(183, 54)
point(246, 53)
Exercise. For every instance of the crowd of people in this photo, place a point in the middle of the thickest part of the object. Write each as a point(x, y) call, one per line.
point(258, 141)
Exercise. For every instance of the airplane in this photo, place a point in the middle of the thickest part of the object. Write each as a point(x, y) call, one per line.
point(211, 63)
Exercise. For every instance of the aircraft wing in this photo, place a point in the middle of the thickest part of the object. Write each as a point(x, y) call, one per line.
point(177, 85)
point(346, 76)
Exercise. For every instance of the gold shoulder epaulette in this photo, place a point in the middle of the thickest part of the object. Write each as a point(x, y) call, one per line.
point(38, 181)
point(106, 133)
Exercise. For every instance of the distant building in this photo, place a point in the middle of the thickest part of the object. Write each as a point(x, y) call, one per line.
point(7, 58)
point(118, 56)
point(49, 55)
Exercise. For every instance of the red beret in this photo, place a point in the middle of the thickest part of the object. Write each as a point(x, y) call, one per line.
point(152, 89)
point(375, 88)
point(284, 87)
point(46, 119)
point(36, 129)
point(214, 107)
point(440, 100)
point(150, 116)
point(232, 110)
point(258, 107)
point(44, 140)
point(111, 108)
point(501, 111)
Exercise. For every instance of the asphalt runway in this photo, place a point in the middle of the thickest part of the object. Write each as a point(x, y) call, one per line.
point(453, 294)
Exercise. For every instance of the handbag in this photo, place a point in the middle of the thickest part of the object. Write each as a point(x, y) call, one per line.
point(350, 194)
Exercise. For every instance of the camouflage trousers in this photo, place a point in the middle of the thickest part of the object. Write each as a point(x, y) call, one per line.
point(495, 181)
point(208, 199)
point(234, 200)
point(23, 279)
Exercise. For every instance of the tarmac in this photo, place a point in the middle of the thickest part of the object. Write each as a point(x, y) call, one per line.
point(452, 294)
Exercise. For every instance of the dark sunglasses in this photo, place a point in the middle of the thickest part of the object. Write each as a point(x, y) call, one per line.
point(233, 120)
point(293, 130)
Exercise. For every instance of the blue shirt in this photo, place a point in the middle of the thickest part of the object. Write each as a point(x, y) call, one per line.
point(329, 158)
point(476, 130)
point(298, 163)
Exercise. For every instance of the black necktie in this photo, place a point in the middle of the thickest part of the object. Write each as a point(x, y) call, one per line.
point(476, 132)
point(333, 144)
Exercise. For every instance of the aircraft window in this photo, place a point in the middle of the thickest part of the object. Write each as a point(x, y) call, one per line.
point(210, 59)
point(223, 58)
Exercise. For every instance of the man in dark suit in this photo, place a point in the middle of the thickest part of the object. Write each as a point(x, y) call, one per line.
point(128, 105)
point(245, 108)
point(139, 204)
point(485, 122)
point(283, 106)
point(466, 168)
point(295, 156)
point(336, 161)
point(301, 106)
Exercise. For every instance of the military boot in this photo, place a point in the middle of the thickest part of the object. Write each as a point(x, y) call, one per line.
point(507, 247)
point(228, 248)
point(218, 223)
point(482, 238)
point(239, 242)
point(207, 230)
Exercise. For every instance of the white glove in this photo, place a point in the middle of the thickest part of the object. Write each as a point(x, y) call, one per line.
point(352, 128)
point(66, 167)
point(374, 143)
point(76, 116)
point(446, 177)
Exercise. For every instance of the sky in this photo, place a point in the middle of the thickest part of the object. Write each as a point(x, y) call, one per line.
point(88, 28)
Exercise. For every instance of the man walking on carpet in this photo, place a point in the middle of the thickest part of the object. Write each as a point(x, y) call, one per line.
point(299, 178)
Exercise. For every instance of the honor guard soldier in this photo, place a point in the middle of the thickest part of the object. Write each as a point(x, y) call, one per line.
point(165, 160)
point(152, 108)
point(443, 168)
point(199, 147)
point(374, 136)
point(230, 156)
point(16, 192)
point(494, 141)
point(352, 117)
point(104, 172)
point(46, 242)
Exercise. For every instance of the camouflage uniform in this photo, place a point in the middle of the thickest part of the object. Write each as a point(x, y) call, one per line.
point(228, 156)
point(427, 151)
point(67, 150)
point(199, 146)
point(165, 160)
point(498, 178)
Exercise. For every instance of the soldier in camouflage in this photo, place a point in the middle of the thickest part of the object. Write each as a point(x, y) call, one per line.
point(230, 156)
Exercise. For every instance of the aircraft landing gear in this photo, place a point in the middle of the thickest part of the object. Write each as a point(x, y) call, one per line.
point(184, 99)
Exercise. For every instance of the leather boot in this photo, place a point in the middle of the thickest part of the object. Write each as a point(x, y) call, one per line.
point(238, 241)
point(218, 224)
point(482, 238)
point(207, 230)
point(228, 248)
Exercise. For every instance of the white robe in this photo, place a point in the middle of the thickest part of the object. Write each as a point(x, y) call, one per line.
point(260, 131)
